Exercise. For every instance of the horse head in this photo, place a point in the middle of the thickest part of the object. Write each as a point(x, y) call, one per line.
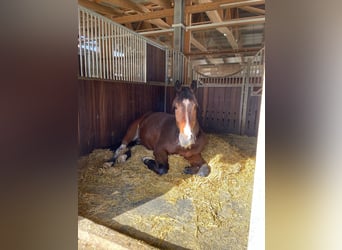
point(185, 105)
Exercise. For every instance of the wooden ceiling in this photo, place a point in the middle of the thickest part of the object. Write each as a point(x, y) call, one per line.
point(220, 35)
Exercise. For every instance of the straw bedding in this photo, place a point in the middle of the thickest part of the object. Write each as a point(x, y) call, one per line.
point(174, 210)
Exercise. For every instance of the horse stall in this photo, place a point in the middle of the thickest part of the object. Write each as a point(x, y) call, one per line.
point(123, 75)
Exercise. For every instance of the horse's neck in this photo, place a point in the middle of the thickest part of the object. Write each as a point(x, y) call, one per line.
point(196, 128)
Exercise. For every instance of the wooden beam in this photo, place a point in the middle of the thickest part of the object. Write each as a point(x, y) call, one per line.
point(144, 16)
point(99, 8)
point(139, 8)
point(217, 4)
point(242, 3)
point(188, 9)
point(251, 50)
point(197, 44)
point(234, 22)
point(216, 18)
point(126, 4)
point(162, 3)
point(253, 10)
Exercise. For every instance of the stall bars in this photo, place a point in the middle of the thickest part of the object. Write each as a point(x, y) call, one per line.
point(251, 74)
point(250, 79)
point(110, 51)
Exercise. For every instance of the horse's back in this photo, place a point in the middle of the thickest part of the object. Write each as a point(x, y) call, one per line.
point(156, 125)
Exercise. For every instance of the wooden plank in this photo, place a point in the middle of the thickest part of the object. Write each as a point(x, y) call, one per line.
point(253, 10)
point(99, 8)
point(144, 16)
point(198, 8)
point(107, 108)
point(217, 4)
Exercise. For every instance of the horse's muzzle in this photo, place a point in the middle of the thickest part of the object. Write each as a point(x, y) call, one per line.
point(186, 141)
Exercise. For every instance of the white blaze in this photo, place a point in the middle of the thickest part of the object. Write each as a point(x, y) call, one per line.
point(187, 129)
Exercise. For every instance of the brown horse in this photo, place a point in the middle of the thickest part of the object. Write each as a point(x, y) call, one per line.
point(167, 134)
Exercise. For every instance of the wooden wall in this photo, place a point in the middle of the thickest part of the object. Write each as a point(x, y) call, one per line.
point(155, 66)
point(253, 114)
point(107, 108)
point(219, 109)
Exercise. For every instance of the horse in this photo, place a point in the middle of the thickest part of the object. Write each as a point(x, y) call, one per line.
point(168, 134)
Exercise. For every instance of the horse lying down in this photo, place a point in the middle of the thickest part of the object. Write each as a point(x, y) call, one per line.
point(167, 134)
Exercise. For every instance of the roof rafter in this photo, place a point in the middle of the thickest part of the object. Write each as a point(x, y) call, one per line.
point(253, 10)
point(99, 8)
point(216, 18)
point(162, 3)
point(188, 9)
point(137, 7)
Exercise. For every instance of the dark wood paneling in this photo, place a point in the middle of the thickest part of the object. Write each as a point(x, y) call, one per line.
point(155, 66)
point(252, 119)
point(107, 108)
point(219, 109)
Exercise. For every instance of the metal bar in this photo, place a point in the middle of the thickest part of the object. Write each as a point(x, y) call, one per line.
point(125, 57)
point(107, 51)
point(119, 55)
point(103, 51)
point(245, 100)
point(123, 28)
point(235, 22)
point(92, 46)
point(156, 32)
point(97, 48)
point(114, 52)
point(87, 46)
point(100, 48)
point(110, 52)
point(80, 42)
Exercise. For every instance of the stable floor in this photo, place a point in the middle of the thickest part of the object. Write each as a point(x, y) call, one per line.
point(173, 211)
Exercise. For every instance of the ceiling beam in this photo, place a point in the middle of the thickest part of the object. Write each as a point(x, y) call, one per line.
point(234, 22)
point(144, 16)
point(216, 18)
point(242, 3)
point(252, 50)
point(197, 44)
point(162, 3)
point(220, 4)
point(253, 10)
point(126, 4)
point(137, 7)
point(99, 8)
point(188, 9)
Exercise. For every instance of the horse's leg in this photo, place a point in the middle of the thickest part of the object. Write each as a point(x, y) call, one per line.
point(197, 166)
point(158, 165)
point(123, 153)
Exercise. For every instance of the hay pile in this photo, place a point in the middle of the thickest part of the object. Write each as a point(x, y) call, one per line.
point(174, 210)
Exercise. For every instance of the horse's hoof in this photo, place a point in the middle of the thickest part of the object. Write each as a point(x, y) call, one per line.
point(190, 170)
point(146, 159)
point(108, 164)
point(204, 170)
point(121, 158)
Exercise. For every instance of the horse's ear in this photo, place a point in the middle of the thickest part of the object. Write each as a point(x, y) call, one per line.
point(193, 85)
point(178, 86)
